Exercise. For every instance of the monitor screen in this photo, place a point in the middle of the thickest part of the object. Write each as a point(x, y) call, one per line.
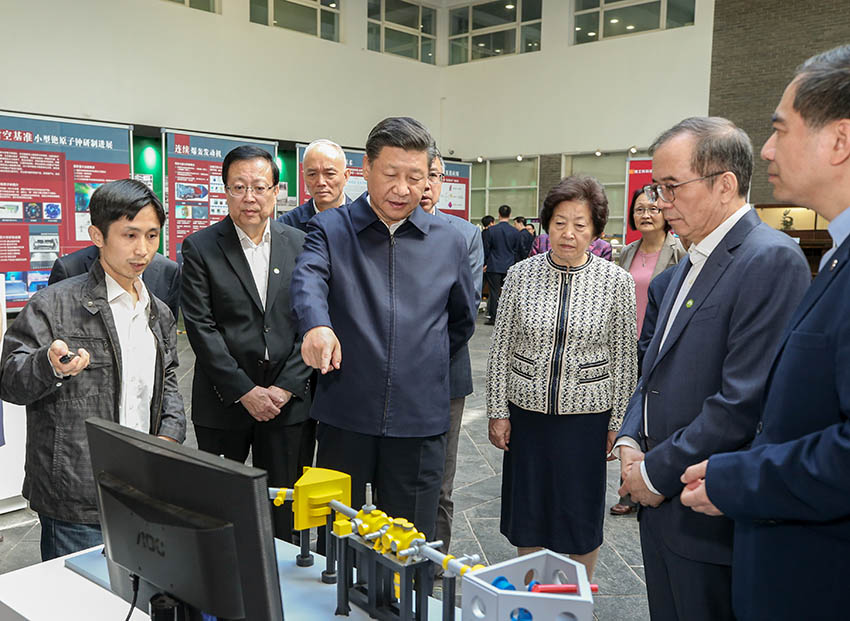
point(192, 525)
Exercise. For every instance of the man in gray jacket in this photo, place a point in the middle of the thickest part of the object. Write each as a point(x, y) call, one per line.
point(97, 344)
point(460, 367)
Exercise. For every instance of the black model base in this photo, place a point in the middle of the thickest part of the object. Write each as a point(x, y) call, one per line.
point(374, 590)
point(304, 558)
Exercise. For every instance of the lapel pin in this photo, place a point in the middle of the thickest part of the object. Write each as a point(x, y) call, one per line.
point(833, 264)
point(276, 271)
point(689, 303)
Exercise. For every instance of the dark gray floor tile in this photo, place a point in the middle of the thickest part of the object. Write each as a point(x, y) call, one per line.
point(622, 533)
point(24, 554)
point(489, 509)
point(622, 608)
point(495, 546)
point(17, 518)
point(472, 466)
point(476, 493)
point(12, 537)
point(614, 576)
point(34, 533)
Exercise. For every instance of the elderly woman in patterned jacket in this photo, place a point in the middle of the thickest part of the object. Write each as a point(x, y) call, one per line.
point(561, 370)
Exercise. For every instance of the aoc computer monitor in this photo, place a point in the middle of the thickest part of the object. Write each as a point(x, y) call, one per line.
point(189, 524)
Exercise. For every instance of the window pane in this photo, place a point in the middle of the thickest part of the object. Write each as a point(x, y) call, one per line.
point(587, 28)
point(294, 16)
point(632, 19)
point(429, 21)
point(616, 208)
point(680, 13)
point(260, 12)
point(581, 5)
point(531, 9)
point(401, 13)
point(373, 36)
point(509, 173)
point(401, 43)
point(494, 44)
point(530, 39)
point(459, 21)
point(479, 175)
point(608, 168)
point(427, 47)
point(204, 5)
point(522, 202)
point(458, 50)
point(330, 25)
point(374, 10)
point(476, 207)
point(334, 4)
point(493, 14)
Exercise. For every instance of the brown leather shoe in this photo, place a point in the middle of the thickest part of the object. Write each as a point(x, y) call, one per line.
point(621, 509)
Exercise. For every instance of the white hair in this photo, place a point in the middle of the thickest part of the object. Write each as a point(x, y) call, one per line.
point(324, 142)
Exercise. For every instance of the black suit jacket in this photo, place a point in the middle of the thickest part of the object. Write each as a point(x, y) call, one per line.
point(230, 331)
point(501, 247)
point(162, 276)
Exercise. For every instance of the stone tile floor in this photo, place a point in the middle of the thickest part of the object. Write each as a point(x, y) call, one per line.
point(619, 572)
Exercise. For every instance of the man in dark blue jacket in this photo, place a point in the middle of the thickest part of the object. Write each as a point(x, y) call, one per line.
point(325, 175)
point(389, 286)
point(501, 248)
point(789, 495)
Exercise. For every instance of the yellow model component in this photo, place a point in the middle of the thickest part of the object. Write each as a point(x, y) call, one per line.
point(312, 493)
point(399, 536)
point(342, 527)
point(397, 585)
point(466, 568)
point(371, 522)
point(281, 497)
point(446, 561)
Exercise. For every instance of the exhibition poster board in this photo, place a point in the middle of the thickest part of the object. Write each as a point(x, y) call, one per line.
point(638, 174)
point(454, 198)
point(13, 438)
point(195, 196)
point(49, 168)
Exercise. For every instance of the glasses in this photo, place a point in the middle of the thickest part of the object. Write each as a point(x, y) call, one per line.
point(434, 177)
point(238, 190)
point(654, 211)
point(666, 191)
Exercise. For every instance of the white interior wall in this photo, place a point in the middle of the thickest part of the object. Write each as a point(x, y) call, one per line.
point(157, 63)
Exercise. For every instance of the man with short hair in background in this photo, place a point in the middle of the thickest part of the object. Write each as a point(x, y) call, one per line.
point(460, 367)
point(95, 344)
point(501, 249)
point(325, 175)
point(525, 238)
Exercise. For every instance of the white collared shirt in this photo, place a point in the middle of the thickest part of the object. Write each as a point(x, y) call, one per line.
point(697, 255)
point(138, 352)
point(258, 257)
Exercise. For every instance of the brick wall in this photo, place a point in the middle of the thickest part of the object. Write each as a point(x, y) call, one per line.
point(550, 174)
point(756, 47)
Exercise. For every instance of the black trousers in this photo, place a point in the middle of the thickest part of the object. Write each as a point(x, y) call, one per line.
point(281, 450)
point(406, 473)
point(494, 282)
point(681, 589)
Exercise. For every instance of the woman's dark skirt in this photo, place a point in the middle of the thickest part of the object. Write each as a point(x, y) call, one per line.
point(553, 481)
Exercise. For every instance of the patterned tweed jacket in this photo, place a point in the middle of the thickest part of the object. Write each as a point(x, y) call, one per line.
point(564, 340)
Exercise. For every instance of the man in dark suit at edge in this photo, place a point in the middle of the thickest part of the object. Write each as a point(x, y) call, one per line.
point(501, 248)
point(789, 495)
point(162, 276)
point(251, 388)
point(704, 370)
point(325, 175)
